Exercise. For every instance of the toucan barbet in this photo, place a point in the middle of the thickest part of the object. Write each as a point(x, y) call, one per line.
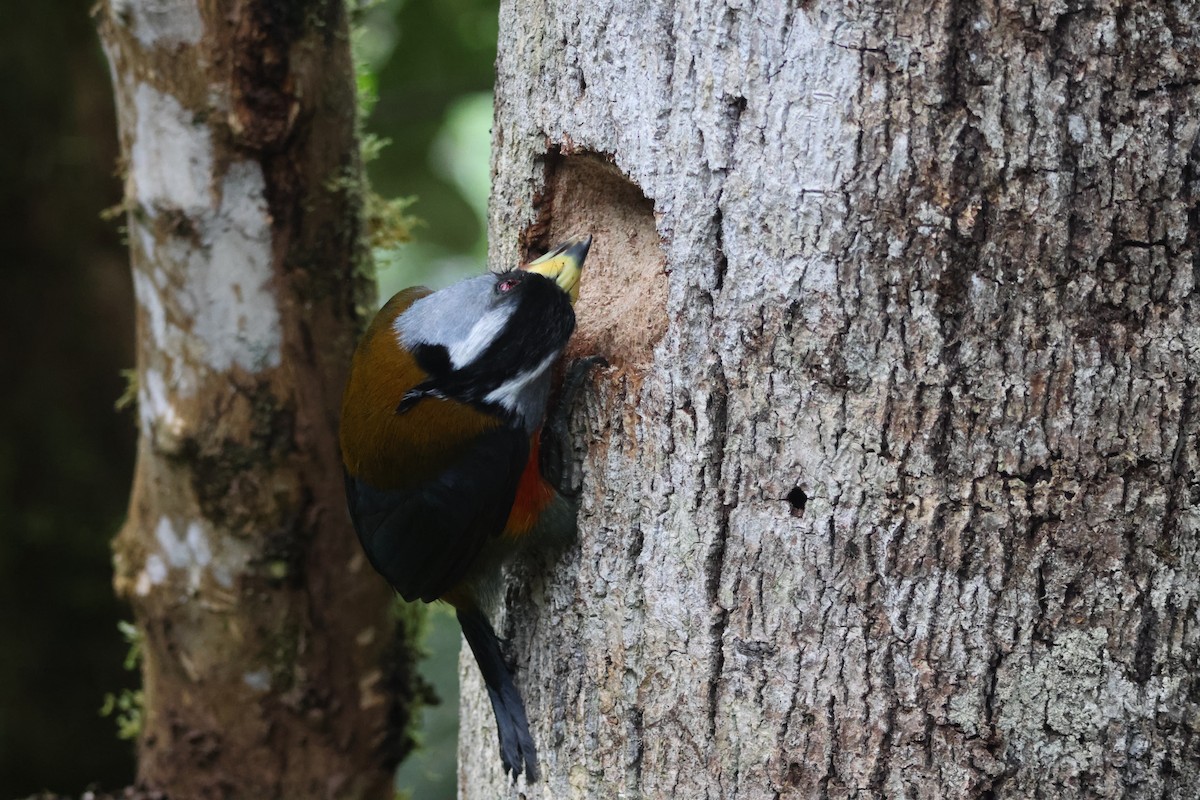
point(441, 437)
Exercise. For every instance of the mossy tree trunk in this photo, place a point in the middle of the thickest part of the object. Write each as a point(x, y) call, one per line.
point(270, 667)
point(892, 489)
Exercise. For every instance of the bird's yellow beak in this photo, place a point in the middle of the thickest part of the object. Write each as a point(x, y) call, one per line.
point(564, 265)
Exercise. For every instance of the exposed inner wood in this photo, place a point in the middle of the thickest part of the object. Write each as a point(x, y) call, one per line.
point(622, 310)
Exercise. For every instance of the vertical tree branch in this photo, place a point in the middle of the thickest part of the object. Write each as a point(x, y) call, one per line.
point(270, 669)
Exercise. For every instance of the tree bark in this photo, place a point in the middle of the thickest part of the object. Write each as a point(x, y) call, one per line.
point(270, 668)
point(891, 490)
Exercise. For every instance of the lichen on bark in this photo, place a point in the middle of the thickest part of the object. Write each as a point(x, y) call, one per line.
point(271, 664)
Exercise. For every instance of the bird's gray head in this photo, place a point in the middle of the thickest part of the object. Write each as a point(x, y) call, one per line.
point(490, 341)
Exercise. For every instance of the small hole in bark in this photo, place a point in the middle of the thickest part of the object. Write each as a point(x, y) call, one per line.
point(798, 499)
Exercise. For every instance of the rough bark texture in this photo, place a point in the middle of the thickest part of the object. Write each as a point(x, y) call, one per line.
point(267, 642)
point(892, 489)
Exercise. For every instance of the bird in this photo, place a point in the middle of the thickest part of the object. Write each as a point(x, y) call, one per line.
point(442, 428)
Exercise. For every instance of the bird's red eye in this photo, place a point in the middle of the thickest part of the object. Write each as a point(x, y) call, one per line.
point(506, 285)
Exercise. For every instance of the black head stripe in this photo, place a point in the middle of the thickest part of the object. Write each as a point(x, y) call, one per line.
point(540, 325)
point(433, 358)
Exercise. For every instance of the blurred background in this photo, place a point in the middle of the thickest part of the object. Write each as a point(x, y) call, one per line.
point(66, 334)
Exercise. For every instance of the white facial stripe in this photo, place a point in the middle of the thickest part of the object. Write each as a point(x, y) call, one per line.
point(481, 335)
point(508, 394)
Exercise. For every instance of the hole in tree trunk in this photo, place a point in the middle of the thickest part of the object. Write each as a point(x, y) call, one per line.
point(621, 312)
point(798, 499)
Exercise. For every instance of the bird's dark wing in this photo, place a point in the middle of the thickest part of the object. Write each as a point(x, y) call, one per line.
point(423, 539)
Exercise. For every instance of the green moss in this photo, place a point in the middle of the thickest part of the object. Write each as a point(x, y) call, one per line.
point(128, 398)
point(387, 221)
point(371, 146)
point(410, 617)
point(405, 687)
point(126, 709)
point(126, 706)
point(134, 638)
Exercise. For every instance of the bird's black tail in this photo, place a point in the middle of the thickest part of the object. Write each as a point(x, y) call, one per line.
point(516, 743)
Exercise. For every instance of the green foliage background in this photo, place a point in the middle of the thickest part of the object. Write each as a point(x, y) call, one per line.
point(66, 311)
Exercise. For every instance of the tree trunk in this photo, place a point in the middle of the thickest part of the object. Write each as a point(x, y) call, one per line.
point(269, 664)
point(891, 490)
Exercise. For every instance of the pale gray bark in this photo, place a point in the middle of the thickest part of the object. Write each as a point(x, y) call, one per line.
point(891, 490)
